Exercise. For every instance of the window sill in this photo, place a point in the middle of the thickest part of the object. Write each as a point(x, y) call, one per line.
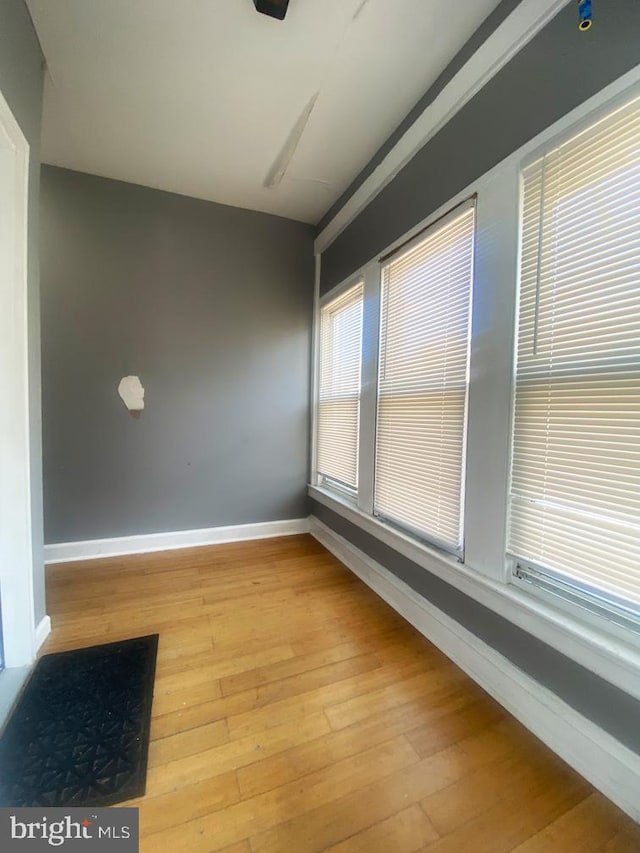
point(615, 660)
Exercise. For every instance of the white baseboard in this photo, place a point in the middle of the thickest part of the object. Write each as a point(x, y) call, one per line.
point(609, 765)
point(146, 543)
point(13, 679)
point(42, 632)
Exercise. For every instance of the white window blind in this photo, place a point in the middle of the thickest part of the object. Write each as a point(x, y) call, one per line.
point(339, 391)
point(575, 483)
point(422, 394)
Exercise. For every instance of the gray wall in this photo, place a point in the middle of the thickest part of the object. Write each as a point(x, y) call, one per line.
point(21, 78)
point(211, 306)
point(558, 70)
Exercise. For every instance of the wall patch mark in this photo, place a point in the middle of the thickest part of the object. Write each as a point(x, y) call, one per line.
point(132, 394)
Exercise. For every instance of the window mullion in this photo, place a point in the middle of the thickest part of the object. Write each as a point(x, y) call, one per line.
point(369, 385)
point(491, 376)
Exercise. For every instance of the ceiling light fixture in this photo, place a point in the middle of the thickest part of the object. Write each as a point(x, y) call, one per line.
point(273, 8)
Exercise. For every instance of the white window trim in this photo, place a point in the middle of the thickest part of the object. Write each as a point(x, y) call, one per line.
point(369, 384)
point(16, 557)
point(315, 372)
point(602, 647)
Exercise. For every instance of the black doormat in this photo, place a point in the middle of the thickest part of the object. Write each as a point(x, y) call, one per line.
point(79, 735)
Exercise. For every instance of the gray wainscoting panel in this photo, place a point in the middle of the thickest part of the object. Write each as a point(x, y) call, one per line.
point(596, 699)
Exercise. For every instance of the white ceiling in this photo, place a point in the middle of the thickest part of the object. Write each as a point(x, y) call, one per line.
point(203, 97)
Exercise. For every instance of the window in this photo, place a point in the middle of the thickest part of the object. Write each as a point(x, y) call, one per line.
point(339, 389)
point(493, 410)
point(422, 393)
point(575, 482)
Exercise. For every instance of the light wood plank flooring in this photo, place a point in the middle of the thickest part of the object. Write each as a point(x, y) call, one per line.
point(294, 711)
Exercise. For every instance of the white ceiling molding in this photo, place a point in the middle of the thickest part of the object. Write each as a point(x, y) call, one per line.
point(503, 44)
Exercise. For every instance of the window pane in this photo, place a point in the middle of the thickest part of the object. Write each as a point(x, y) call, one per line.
point(575, 482)
point(339, 397)
point(424, 355)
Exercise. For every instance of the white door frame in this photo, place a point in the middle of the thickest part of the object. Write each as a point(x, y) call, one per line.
point(16, 557)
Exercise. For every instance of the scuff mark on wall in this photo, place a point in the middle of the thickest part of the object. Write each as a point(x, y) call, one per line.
point(132, 393)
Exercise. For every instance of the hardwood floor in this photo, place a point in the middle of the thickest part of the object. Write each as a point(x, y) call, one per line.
point(294, 711)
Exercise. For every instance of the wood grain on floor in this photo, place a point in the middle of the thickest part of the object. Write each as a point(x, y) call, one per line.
point(295, 712)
